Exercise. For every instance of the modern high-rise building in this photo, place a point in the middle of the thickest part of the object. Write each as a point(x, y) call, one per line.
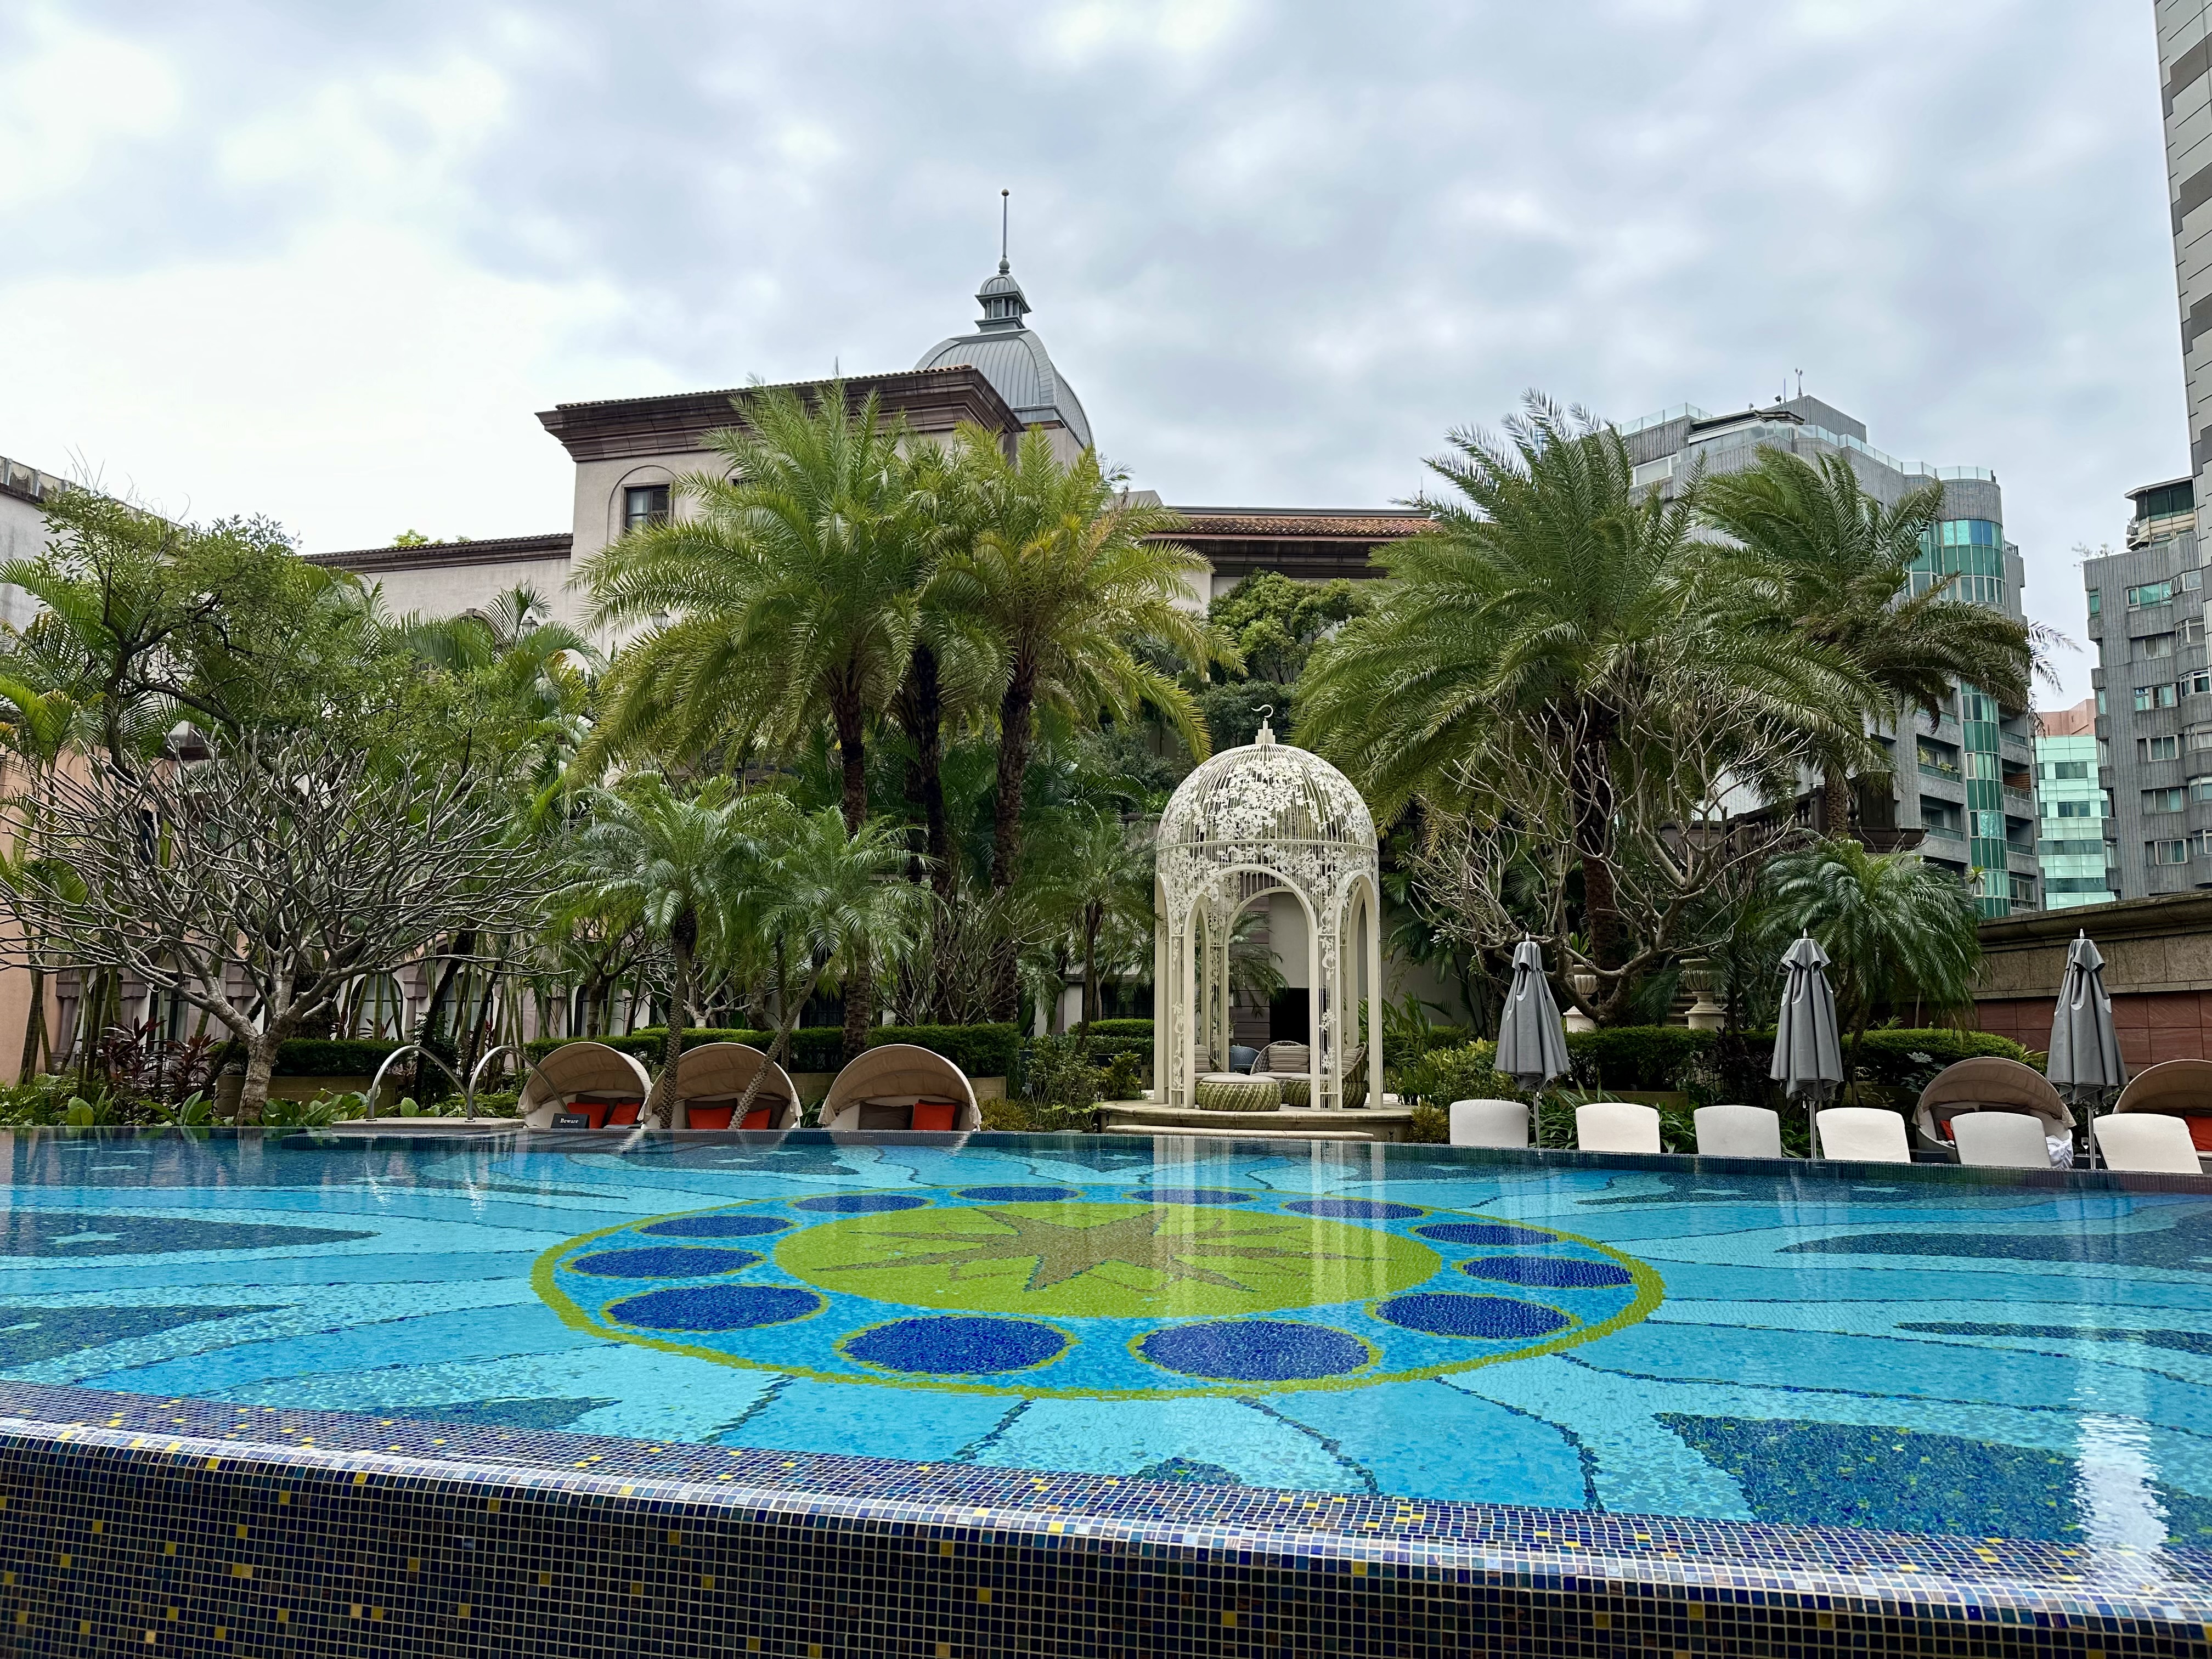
point(2077, 861)
point(2153, 695)
point(2185, 69)
point(1961, 786)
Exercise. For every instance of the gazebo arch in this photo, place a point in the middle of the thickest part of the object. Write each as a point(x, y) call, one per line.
point(1252, 822)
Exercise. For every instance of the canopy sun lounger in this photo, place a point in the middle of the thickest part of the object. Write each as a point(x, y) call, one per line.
point(589, 1080)
point(2177, 1088)
point(1989, 1084)
point(712, 1078)
point(899, 1086)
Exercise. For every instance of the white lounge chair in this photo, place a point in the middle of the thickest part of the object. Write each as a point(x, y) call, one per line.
point(1616, 1126)
point(2001, 1141)
point(1489, 1123)
point(2149, 1143)
point(1862, 1134)
point(1738, 1132)
point(899, 1086)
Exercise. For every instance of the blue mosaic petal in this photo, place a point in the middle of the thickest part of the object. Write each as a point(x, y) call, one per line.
point(716, 1308)
point(957, 1346)
point(860, 1203)
point(1354, 1209)
point(1191, 1195)
point(1551, 1272)
point(1482, 1232)
point(715, 1227)
point(1019, 1195)
point(662, 1262)
point(1255, 1350)
point(1453, 1313)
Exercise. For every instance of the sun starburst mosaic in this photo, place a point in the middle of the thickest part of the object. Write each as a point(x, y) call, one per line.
point(1107, 1292)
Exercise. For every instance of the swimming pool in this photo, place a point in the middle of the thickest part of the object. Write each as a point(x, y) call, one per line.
point(1923, 1351)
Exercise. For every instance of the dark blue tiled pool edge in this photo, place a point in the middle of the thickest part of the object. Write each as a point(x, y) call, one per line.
point(120, 1515)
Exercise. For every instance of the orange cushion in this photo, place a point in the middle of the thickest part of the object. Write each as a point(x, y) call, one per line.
point(624, 1114)
point(759, 1118)
point(936, 1115)
point(711, 1117)
point(2200, 1132)
point(595, 1110)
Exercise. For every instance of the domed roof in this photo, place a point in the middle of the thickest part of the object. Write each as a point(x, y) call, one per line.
point(1267, 792)
point(1013, 359)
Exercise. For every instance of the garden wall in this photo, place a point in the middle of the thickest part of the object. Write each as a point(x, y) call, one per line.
point(2158, 967)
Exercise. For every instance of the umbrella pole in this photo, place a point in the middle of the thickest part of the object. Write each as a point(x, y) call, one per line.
point(1812, 1127)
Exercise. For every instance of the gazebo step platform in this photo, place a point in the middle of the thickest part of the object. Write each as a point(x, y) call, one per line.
point(1124, 1117)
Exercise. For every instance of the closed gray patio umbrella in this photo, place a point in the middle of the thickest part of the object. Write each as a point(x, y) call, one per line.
point(2085, 1051)
point(1532, 1041)
point(1808, 1056)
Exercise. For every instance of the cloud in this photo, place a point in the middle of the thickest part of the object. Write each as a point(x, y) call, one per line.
point(327, 262)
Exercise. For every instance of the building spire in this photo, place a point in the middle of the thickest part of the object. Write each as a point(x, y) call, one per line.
point(1003, 208)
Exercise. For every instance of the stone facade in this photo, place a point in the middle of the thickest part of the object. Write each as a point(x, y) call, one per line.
point(2158, 967)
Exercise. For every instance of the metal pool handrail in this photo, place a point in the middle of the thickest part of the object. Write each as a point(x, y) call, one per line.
point(477, 1072)
point(376, 1083)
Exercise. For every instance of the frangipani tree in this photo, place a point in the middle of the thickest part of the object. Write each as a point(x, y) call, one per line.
point(256, 887)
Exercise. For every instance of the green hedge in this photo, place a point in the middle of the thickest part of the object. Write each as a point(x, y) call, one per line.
point(1123, 1028)
point(1638, 1056)
point(329, 1057)
point(978, 1050)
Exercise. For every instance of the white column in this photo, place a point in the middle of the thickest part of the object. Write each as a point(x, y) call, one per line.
point(1371, 899)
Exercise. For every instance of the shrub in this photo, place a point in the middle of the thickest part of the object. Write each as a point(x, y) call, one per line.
point(1059, 1083)
point(1123, 1077)
point(1637, 1056)
point(1465, 1073)
point(978, 1050)
point(330, 1056)
point(1430, 1124)
point(1139, 1030)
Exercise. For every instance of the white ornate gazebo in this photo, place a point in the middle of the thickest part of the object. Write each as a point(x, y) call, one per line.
point(1250, 822)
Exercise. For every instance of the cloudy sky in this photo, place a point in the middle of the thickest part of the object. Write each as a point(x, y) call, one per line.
point(324, 262)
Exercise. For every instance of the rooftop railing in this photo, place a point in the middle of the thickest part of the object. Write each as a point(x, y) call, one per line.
point(1838, 440)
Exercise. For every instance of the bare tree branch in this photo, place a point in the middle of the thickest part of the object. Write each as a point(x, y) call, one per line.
point(257, 888)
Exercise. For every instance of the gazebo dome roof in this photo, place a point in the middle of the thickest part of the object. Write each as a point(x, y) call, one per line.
point(1267, 792)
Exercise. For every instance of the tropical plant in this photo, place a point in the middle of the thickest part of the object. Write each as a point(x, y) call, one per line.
point(1544, 614)
point(1900, 933)
point(676, 862)
point(1826, 563)
point(1102, 878)
point(1066, 572)
point(787, 595)
point(832, 900)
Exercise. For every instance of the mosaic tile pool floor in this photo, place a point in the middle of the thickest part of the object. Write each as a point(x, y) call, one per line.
point(1923, 1353)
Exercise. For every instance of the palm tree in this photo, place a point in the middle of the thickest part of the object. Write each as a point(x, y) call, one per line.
point(1549, 599)
point(676, 862)
point(1102, 881)
point(1066, 573)
point(1826, 563)
point(789, 596)
point(1896, 929)
point(835, 900)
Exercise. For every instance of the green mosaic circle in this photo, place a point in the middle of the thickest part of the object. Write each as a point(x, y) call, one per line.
point(1105, 1261)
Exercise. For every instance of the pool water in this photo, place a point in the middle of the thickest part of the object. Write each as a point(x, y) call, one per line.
point(1928, 1352)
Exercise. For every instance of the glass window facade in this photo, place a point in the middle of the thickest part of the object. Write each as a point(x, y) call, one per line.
point(2151, 594)
point(2072, 855)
